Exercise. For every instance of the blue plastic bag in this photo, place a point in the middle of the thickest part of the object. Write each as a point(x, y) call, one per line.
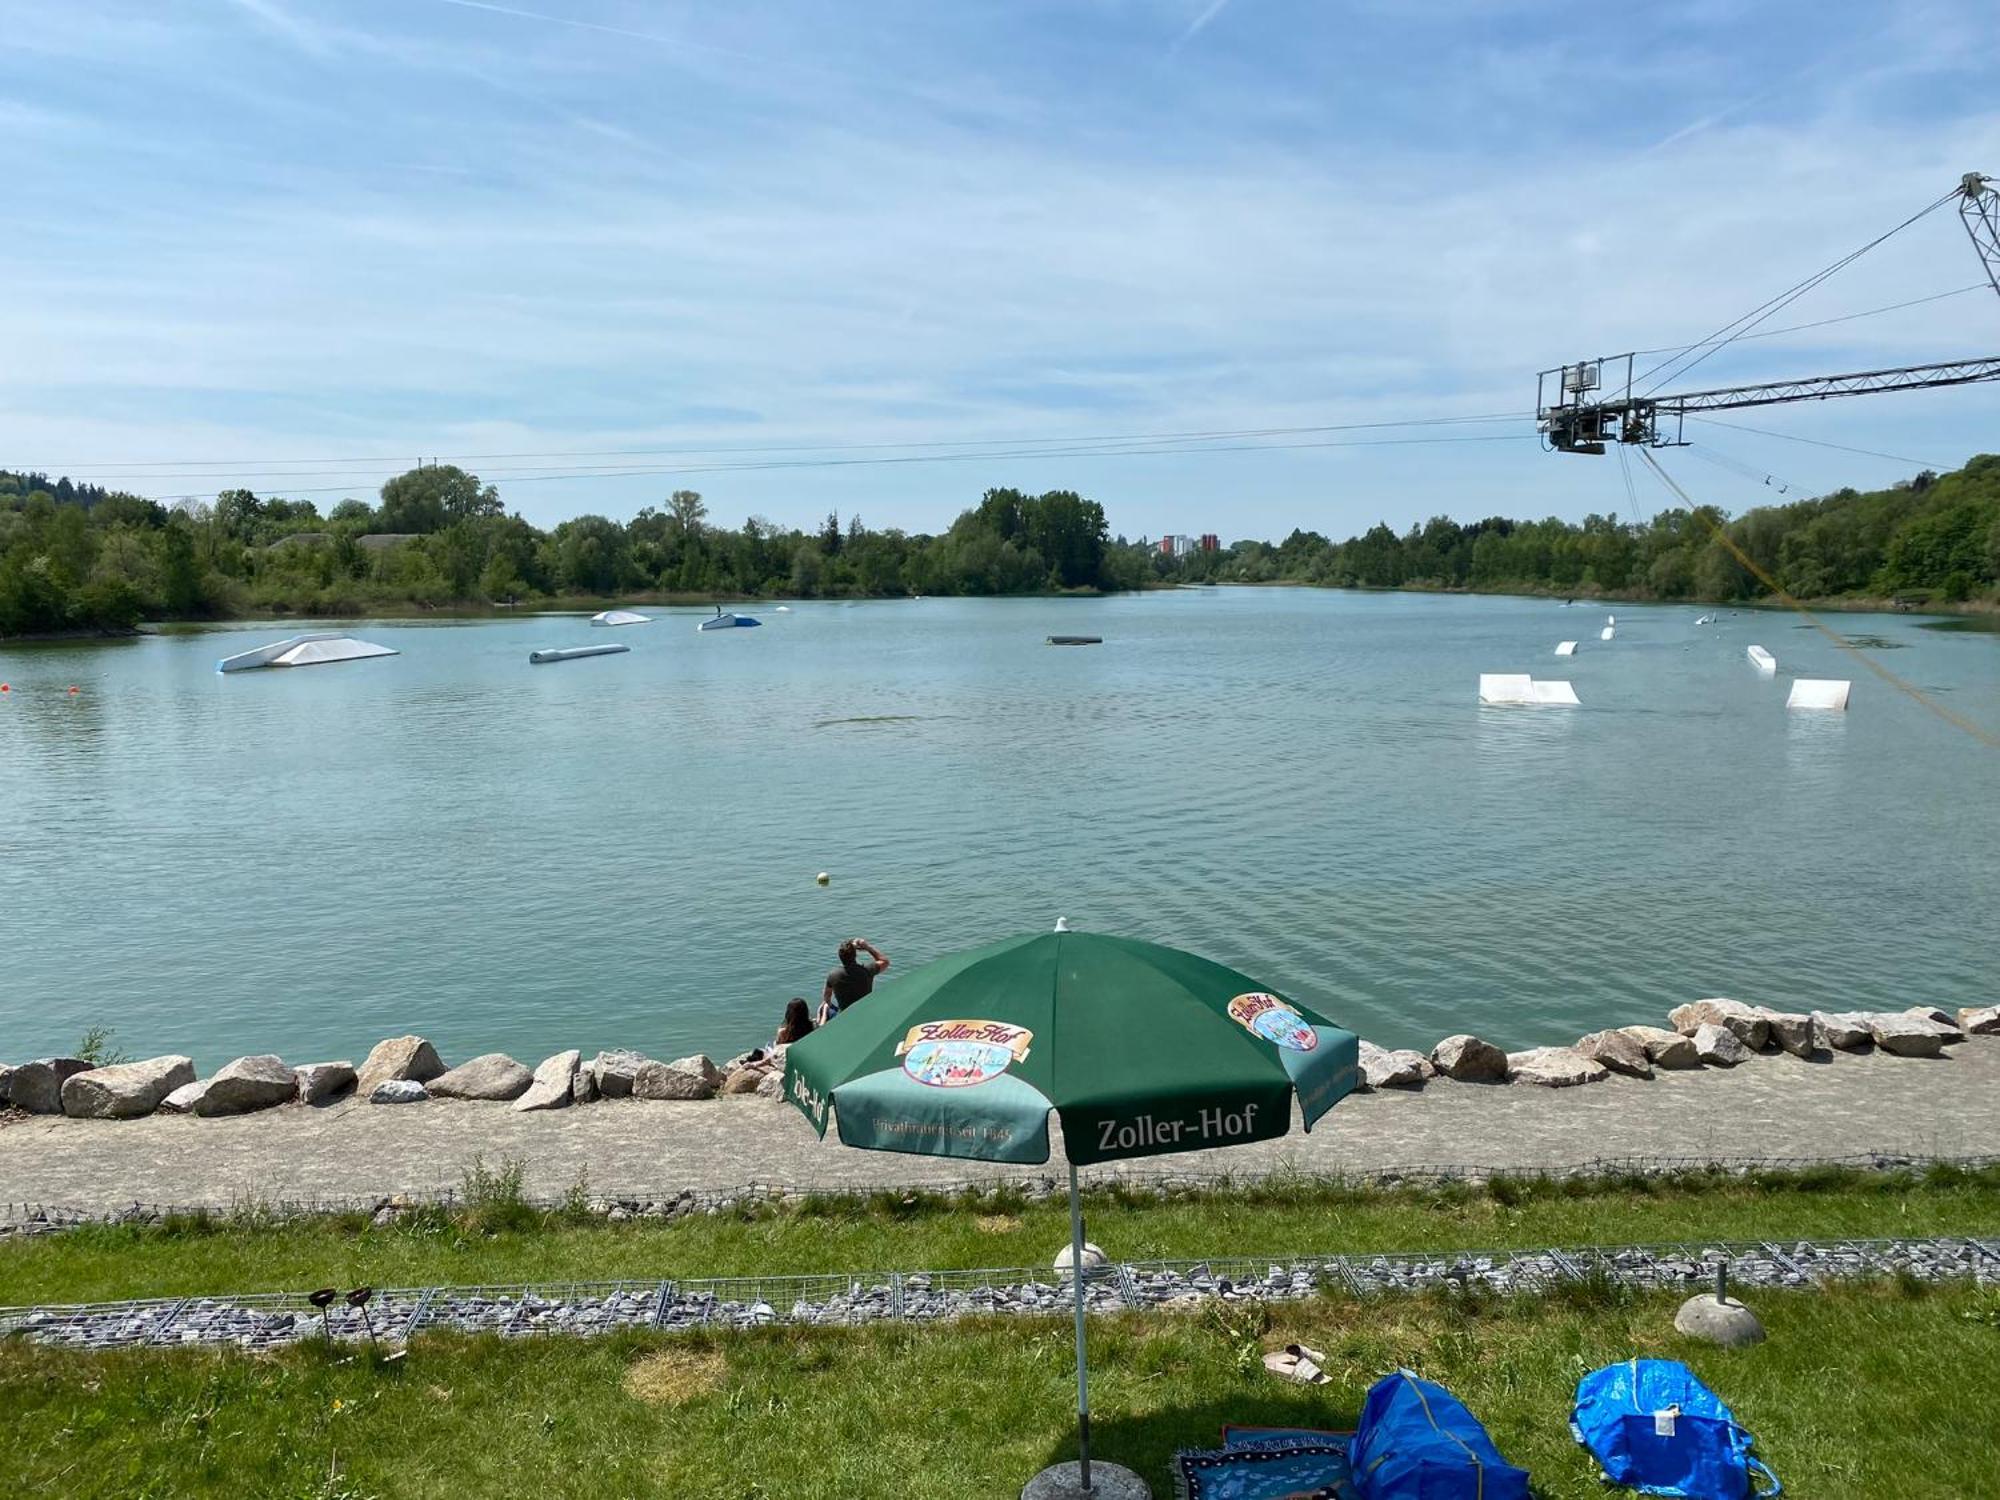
point(1651, 1424)
point(1416, 1441)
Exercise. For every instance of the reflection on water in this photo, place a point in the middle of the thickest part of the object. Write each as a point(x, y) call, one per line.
point(1300, 784)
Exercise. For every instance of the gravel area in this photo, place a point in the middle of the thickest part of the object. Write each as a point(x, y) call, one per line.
point(1775, 1108)
point(268, 1321)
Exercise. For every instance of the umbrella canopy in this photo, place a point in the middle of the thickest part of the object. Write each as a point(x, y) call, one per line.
point(1141, 1050)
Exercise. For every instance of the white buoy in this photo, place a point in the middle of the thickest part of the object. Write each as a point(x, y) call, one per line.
point(823, 878)
point(1611, 619)
point(1565, 648)
point(1819, 692)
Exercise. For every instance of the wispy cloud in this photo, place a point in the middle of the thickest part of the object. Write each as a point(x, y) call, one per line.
point(1200, 23)
point(281, 22)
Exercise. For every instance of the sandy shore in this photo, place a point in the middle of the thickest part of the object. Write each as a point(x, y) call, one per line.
point(1772, 1108)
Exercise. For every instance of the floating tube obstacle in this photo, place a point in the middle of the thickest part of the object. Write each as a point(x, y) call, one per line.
point(1518, 688)
point(312, 650)
point(1761, 659)
point(1819, 692)
point(572, 653)
point(1076, 640)
point(620, 617)
point(1565, 648)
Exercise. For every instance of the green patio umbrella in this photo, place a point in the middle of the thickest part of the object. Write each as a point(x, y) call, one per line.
point(1142, 1050)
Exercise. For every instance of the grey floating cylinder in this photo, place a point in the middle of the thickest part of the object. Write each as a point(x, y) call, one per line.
point(571, 653)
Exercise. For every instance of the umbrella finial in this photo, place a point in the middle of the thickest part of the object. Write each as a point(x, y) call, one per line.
point(1062, 924)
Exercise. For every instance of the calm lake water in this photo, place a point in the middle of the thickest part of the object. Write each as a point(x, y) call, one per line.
point(621, 851)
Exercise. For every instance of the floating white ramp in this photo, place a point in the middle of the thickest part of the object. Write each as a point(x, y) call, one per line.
point(1565, 648)
point(1819, 692)
point(572, 653)
point(304, 651)
point(1520, 688)
point(619, 617)
point(1761, 659)
point(1607, 632)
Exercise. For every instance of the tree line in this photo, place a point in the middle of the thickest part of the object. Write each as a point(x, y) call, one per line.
point(79, 557)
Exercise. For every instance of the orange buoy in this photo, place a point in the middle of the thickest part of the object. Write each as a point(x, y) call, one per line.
point(75, 689)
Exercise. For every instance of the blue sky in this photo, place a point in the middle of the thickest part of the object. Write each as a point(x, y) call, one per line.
point(297, 244)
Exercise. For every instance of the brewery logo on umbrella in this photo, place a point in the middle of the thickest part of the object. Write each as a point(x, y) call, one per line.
point(959, 1054)
point(1272, 1019)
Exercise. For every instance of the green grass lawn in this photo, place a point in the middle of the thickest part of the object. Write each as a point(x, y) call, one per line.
point(1860, 1394)
point(494, 1238)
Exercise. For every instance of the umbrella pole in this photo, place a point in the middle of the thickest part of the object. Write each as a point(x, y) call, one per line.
point(1076, 1272)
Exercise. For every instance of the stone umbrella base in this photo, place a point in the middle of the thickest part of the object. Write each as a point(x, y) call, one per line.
point(1107, 1482)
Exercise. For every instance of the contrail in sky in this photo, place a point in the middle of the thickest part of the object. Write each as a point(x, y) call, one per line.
point(641, 36)
point(1200, 24)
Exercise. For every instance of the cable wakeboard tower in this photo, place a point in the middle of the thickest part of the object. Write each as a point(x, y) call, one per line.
point(1576, 415)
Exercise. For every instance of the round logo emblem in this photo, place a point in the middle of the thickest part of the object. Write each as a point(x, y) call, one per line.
point(959, 1054)
point(1272, 1019)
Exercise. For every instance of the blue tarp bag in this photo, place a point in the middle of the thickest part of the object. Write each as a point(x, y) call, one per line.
point(1651, 1424)
point(1416, 1441)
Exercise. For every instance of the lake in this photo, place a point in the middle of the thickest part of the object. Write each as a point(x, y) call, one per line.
point(621, 851)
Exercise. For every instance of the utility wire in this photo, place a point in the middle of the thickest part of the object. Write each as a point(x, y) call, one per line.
point(1984, 736)
point(1723, 336)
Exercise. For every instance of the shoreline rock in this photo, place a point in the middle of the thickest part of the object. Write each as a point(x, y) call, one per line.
point(1618, 1052)
point(248, 1083)
point(1664, 1048)
point(1721, 1047)
point(1469, 1059)
point(1382, 1068)
point(124, 1091)
point(398, 1091)
point(319, 1082)
point(1554, 1068)
point(493, 1076)
point(554, 1083)
point(1746, 1022)
point(1979, 1020)
point(398, 1059)
point(37, 1086)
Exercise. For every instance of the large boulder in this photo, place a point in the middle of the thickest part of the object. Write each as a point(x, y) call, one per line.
point(1383, 1069)
point(1719, 1046)
point(700, 1065)
point(1469, 1060)
point(1793, 1031)
point(37, 1086)
point(1747, 1022)
point(493, 1076)
point(124, 1091)
point(658, 1080)
point(1942, 1021)
point(248, 1083)
point(554, 1083)
point(771, 1085)
point(1979, 1020)
point(1846, 1030)
point(397, 1059)
point(398, 1091)
point(319, 1082)
point(614, 1072)
point(1618, 1052)
point(6, 1085)
point(1664, 1048)
point(1901, 1036)
point(743, 1081)
point(1554, 1067)
point(583, 1087)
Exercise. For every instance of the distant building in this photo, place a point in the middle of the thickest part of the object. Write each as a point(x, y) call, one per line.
point(1182, 546)
point(1210, 542)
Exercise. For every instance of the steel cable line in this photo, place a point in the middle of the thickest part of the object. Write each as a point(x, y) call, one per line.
point(1723, 336)
point(239, 466)
point(1720, 533)
point(1771, 333)
point(928, 458)
point(1922, 463)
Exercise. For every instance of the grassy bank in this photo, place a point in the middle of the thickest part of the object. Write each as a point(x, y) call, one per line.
point(1858, 1394)
point(493, 1237)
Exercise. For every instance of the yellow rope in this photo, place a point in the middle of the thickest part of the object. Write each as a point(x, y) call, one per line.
point(1985, 736)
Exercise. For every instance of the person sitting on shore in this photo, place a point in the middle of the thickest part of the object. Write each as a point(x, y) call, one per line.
point(853, 980)
point(797, 1023)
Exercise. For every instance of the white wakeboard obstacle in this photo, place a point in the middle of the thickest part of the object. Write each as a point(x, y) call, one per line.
point(619, 617)
point(1565, 648)
point(1761, 659)
point(1819, 692)
point(304, 651)
point(1518, 688)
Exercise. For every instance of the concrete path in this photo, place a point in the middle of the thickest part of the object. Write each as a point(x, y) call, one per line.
point(1772, 1108)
